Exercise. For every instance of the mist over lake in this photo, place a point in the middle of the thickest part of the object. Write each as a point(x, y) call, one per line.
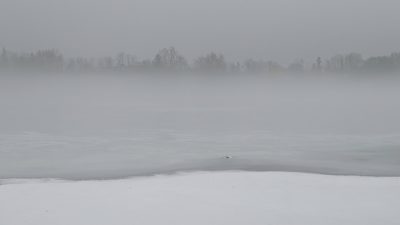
point(193, 112)
point(116, 125)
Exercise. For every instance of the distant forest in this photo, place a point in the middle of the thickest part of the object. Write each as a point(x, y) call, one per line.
point(170, 60)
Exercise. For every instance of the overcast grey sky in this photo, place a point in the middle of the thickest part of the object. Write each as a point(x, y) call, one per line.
point(283, 30)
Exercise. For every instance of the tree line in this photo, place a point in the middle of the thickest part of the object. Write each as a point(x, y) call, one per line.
point(170, 60)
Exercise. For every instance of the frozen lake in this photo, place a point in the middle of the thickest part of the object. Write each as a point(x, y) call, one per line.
point(98, 126)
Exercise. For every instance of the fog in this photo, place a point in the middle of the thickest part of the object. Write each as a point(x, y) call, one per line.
point(283, 30)
point(79, 126)
point(95, 89)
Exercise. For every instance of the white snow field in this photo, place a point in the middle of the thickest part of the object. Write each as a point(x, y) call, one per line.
point(231, 198)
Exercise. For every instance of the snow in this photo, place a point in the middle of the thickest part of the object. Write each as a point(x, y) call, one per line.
point(234, 197)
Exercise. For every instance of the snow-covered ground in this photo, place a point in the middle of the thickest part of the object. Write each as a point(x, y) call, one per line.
point(100, 127)
point(218, 198)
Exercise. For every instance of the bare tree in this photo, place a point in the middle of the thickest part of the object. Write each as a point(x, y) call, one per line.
point(211, 63)
point(169, 59)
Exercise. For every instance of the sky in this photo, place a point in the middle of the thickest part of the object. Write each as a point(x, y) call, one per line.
point(282, 30)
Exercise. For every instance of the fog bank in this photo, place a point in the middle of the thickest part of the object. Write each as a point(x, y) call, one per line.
point(108, 126)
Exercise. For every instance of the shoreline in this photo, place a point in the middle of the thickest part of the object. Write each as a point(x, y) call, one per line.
point(174, 173)
point(225, 198)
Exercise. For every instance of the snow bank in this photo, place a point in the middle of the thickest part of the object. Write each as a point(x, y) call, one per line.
point(204, 198)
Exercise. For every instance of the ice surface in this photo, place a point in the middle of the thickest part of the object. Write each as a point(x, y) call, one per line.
point(38, 155)
point(110, 126)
